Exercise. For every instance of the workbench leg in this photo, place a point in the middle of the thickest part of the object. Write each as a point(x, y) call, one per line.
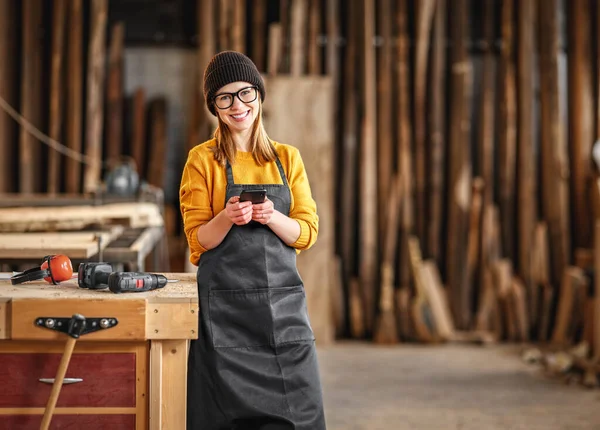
point(168, 384)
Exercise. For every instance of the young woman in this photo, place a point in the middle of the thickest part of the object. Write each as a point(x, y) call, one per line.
point(254, 365)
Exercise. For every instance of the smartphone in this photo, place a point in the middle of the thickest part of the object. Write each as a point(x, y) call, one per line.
point(254, 196)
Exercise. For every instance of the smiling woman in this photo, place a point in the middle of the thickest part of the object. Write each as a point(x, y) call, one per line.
point(255, 365)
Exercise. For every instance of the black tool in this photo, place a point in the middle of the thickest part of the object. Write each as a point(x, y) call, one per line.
point(136, 282)
point(94, 275)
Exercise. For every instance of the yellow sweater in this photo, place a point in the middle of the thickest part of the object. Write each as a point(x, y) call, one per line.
point(204, 182)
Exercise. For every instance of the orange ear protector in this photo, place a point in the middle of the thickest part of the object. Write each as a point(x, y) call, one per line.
point(54, 269)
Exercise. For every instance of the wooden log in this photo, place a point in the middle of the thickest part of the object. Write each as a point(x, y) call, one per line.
point(59, 18)
point(421, 311)
point(238, 35)
point(74, 119)
point(385, 150)
point(507, 133)
point(437, 135)
point(259, 32)
point(518, 299)
point(555, 169)
point(425, 11)
point(31, 92)
point(581, 116)
point(438, 302)
point(314, 32)
point(8, 91)
point(299, 17)
point(368, 244)
point(502, 272)
point(95, 92)
point(138, 134)
point(114, 99)
point(206, 50)
point(527, 162)
point(158, 143)
point(404, 323)
point(459, 169)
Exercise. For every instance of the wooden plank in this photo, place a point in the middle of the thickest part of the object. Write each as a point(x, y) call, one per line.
point(437, 134)
point(173, 385)
point(385, 149)
point(424, 324)
point(225, 42)
point(332, 67)
point(348, 184)
point(299, 17)
point(31, 93)
point(131, 315)
point(526, 160)
point(138, 135)
point(573, 280)
point(158, 143)
point(206, 49)
point(238, 35)
point(313, 114)
point(507, 147)
point(314, 31)
point(437, 299)
point(24, 219)
point(385, 327)
point(156, 384)
point(460, 173)
point(284, 18)
point(259, 32)
point(581, 116)
point(275, 41)
point(114, 95)
point(172, 320)
point(474, 235)
point(74, 118)
point(8, 91)
point(369, 228)
point(134, 253)
point(95, 94)
point(76, 245)
point(425, 13)
point(554, 162)
point(59, 18)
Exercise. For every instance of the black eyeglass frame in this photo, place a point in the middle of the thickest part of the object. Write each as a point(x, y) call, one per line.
point(234, 95)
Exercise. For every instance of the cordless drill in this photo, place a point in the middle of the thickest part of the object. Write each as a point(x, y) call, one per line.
point(98, 276)
point(135, 282)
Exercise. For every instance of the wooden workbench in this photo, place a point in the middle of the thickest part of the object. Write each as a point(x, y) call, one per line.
point(130, 376)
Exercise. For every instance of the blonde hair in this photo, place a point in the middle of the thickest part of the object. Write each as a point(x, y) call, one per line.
point(261, 147)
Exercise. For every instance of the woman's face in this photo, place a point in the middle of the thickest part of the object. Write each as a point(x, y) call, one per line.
point(237, 105)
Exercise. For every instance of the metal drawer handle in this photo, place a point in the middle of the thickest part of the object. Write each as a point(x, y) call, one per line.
point(66, 381)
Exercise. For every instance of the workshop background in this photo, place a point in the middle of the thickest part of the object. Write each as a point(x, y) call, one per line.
point(452, 147)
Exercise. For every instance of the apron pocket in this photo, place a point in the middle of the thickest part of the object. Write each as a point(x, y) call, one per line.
point(290, 315)
point(240, 318)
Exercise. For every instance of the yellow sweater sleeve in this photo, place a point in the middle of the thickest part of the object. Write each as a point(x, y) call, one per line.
point(203, 186)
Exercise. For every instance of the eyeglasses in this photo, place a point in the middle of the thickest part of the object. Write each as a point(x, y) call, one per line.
point(246, 95)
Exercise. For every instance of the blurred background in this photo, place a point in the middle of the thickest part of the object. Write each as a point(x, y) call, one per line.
point(450, 145)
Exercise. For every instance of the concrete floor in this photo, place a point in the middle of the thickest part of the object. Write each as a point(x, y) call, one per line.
point(454, 386)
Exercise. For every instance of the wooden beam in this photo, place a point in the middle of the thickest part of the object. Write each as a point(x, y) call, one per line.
point(59, 18)
point(95, 94)
point(206, 49)
point(299, 15)
point(259, 32)
point(31, 93)
point(114, 109)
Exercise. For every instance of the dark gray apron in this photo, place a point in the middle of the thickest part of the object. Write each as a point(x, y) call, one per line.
point(255, 357)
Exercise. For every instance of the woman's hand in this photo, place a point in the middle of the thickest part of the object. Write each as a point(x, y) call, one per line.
point(238, 213)
point(263, 212)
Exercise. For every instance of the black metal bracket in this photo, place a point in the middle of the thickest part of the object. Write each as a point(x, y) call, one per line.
point(77, 325)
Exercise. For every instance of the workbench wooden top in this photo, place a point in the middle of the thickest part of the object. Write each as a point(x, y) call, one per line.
point(185, 290)
point(168, 313)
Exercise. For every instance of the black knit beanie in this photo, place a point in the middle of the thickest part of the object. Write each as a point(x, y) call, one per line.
point(227, 67)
